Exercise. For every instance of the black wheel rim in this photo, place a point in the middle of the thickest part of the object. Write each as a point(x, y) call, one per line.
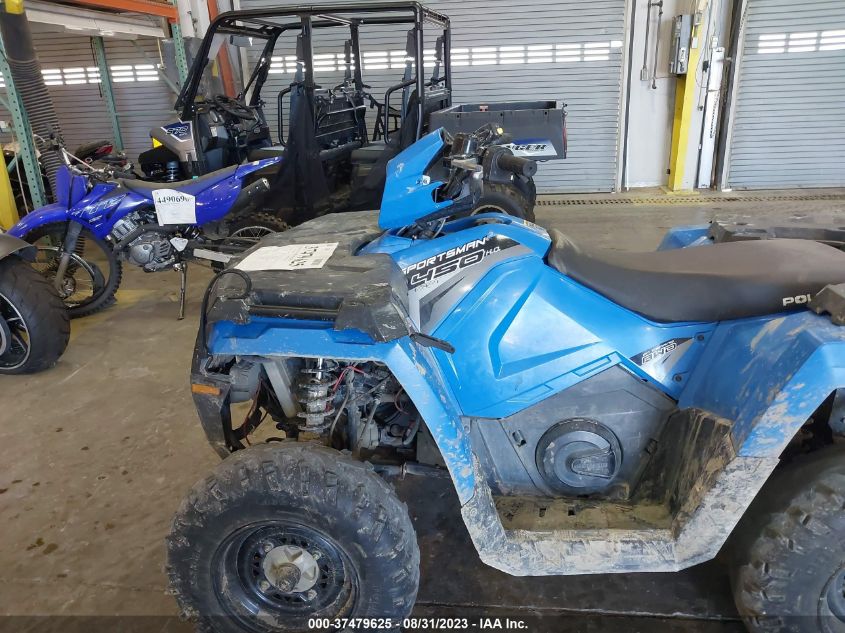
point(14, 336)
point(242, 585)
point(834, 596)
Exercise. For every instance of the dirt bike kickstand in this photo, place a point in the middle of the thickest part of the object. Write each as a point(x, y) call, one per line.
point(182, 267)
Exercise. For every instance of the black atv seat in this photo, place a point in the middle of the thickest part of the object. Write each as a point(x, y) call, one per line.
point(731, 280)
point(146, 187)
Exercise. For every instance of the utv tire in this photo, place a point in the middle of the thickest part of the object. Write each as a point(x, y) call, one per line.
point(32, 302)
point(104, 295)
point(259, 522)
point(788, 559)
point(507, 199)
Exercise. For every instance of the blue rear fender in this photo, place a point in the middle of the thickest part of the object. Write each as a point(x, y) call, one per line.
point(685, 236)
point(413, 366)
point(768, 375)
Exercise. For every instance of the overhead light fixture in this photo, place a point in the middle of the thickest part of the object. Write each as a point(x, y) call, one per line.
point(92, 23)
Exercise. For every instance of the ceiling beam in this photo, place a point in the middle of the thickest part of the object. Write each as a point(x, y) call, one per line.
point(148, 7)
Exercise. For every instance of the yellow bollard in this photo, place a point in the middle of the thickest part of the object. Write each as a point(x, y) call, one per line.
point(8, 211)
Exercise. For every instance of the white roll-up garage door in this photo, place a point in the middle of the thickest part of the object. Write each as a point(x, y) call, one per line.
point(566, 50)
point(789, 117)
point(73, 79)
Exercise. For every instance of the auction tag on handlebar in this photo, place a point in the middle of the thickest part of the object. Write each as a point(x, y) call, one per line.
point(288, 257)
point(175, 207)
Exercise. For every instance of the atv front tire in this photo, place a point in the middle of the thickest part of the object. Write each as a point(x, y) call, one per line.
point(34, 325)
point(788, 557)
point(283, 533)
point(509, 199)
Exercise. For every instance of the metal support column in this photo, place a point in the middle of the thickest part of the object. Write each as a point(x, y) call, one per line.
point(107, 88)
point(179, 51)
point(23, 134)
point(685, 95)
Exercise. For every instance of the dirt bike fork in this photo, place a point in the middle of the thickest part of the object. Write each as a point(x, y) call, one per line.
point(68, 248)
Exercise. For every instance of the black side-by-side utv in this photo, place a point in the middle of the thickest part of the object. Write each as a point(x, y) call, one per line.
point(334, 154)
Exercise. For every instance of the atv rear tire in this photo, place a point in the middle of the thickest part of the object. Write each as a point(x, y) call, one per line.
point(248, 541)
point(509, 199)
point(30, 307)
point(788, 560)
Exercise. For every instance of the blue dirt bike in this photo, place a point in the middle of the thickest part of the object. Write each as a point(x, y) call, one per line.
point(597, 411)
point(100, 219)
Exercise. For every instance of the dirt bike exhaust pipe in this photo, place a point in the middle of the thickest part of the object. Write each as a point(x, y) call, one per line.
point(250, 194)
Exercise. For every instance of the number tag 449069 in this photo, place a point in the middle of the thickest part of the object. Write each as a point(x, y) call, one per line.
point(175, 207)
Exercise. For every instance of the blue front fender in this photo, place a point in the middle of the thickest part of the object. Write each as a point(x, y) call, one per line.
point(412, 365)
point(50, 214)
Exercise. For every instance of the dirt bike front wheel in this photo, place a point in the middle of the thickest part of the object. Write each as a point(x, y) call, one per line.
point(92, 275)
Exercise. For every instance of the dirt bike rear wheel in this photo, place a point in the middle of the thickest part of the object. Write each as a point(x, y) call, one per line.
point(252, 227)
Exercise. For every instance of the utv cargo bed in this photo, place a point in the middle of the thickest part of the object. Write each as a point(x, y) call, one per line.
point(537, 128)
point(365, 292)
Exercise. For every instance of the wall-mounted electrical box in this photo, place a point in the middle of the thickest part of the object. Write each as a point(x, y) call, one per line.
point(679, 49)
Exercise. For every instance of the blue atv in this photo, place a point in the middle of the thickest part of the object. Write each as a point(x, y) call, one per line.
point(597, 411)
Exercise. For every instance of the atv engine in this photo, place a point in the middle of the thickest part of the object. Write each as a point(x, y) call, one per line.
point(151, 250)
point(355, 406)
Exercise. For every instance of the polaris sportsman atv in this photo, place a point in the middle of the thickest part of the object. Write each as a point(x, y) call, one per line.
point(597, 411)
point(335, 137)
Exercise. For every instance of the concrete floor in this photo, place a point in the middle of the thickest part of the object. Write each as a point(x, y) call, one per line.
point(99, 451)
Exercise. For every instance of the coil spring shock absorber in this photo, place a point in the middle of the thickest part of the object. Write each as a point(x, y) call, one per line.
point(314, 396)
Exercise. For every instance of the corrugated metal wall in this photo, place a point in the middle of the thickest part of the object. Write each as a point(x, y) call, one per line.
point(560, 49)
point(789, 118)
point(70, 69)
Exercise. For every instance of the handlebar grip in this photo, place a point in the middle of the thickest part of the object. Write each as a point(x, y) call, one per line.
point(517, 165)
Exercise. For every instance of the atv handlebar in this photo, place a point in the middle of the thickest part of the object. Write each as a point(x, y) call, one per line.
point(516, 164)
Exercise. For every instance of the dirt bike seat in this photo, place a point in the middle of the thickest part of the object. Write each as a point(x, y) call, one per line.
point(730, 280)
point(193, 186)
point(271, 151)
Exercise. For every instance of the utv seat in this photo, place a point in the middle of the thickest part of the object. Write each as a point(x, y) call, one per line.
point(731, 280)
point(369, 153)
point(193, 186)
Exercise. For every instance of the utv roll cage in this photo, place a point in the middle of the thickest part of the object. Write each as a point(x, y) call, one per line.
point(270, 24)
